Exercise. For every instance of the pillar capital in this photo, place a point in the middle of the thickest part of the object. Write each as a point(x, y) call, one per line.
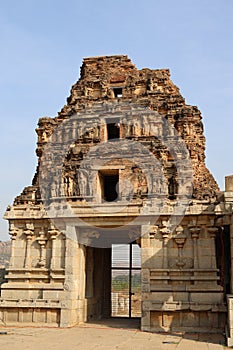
point(53, 233)
point(195, 231)
point(179, 236)
point(180, 240)
point(13, 231)
point(212, 231)
point(42, 239)
point(29, 231)
point(165, 232)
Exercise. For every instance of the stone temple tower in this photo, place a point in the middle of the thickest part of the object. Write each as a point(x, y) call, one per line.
point(123, 163)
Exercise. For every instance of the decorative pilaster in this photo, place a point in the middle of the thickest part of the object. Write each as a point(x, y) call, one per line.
point(42, 240)
point(53, 233)
point(13, 231)
point(180, 239)
point(28, 233)
point(165, 233)
point(195, 231)
point(212, 233)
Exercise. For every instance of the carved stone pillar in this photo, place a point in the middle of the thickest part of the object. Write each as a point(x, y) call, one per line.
point(28, 233)
point(13, 231)
point(180, 239)
point(42, 240)
point(165, 233)
point(53, 233)
point(195, 231)
point(212, 233)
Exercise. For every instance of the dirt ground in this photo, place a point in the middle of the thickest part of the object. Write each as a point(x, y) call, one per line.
point(109, 335)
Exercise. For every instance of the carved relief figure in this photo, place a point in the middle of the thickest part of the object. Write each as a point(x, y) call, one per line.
point(82, 176)
point(54, 189)
point(138, 181)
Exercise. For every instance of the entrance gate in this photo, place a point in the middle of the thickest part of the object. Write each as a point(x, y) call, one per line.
point(126, 280)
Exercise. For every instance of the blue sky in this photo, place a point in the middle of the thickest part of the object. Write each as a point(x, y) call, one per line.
point(42, 46)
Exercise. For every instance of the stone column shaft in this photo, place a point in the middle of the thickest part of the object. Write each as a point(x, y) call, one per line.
point(13, 231)
point(53, 236)
point(165, 235)
point(212, 232)
point(195, 231)
point(42, 242)
point(27, 261)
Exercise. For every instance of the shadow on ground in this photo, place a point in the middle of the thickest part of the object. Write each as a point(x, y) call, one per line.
point(134, 324)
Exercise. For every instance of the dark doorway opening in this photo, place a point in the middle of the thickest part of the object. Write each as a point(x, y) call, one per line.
point(223, 257)
point(98, 283)
point(113, 284)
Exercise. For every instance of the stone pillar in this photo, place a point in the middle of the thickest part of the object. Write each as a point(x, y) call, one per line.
point(180, 239)
point(42, 240)
point(165, 233)
point(195, 231)
point(82, 271)
point(53, 233)
point(212, 233)
point(13, 231)
point(28, 233)
point(72, 310)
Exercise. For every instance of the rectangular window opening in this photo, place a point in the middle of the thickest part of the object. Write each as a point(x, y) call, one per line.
point(113, 128)
point(117, 92)
point(109, 185)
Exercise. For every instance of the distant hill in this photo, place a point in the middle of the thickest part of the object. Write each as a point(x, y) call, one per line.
point(5, 252)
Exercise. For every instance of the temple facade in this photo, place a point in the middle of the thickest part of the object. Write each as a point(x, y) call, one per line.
point(122, 164)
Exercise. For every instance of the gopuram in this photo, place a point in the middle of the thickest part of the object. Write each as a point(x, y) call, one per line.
point(121, 168)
